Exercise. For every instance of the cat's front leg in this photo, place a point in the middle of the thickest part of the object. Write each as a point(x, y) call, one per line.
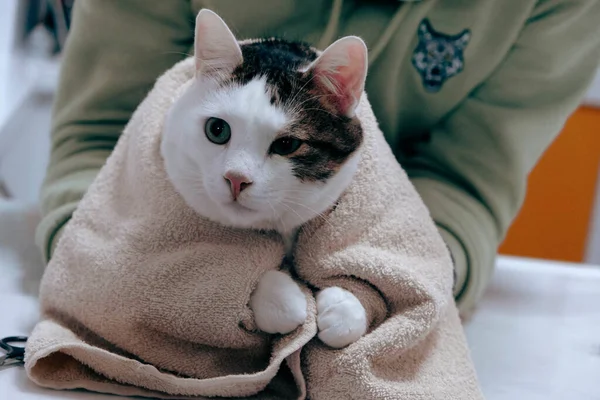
point(341, 317)
point(278, 304)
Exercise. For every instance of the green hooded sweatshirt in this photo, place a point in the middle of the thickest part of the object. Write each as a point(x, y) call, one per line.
point(469, 93)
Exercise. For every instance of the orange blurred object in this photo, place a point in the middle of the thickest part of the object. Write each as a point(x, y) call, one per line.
point(555, 219)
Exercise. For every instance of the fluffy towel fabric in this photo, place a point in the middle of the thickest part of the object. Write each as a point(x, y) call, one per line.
point(144, 297)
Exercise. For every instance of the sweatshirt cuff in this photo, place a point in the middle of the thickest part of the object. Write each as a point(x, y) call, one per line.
point(50, 228)
point(470, 233)
point(459, 258)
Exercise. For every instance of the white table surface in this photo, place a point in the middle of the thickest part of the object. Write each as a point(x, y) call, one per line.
point(536, 335)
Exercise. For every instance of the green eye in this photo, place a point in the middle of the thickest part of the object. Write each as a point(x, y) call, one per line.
point(285, 146)
point(217, 130)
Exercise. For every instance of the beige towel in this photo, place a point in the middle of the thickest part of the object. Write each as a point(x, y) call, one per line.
point(144, 297)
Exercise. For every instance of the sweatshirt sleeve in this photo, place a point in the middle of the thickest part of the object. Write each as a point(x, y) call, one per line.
point(114, 53)
point(472, 174)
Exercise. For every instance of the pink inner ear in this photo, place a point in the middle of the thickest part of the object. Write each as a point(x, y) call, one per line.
point(341, 69)
point(215, 47)
point(346, 98)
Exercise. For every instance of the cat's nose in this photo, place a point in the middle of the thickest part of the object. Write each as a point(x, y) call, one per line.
point(237, 182)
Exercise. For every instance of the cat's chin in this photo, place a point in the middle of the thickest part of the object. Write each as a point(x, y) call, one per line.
point(239, 216)
point(236, 215)
point(237, 208)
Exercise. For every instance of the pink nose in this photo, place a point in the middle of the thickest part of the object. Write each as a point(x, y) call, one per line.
point(237, 182)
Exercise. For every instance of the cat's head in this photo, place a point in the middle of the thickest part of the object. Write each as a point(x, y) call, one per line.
point(266, 135)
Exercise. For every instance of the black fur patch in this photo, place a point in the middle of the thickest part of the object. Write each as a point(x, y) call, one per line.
point(329, 138)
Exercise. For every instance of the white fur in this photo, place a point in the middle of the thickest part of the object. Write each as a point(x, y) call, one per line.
point(276, 199)
point(215, 47)
point(341, 318)
point(278, 304)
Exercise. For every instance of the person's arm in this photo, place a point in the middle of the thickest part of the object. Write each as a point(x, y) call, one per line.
point(115, 51)
point(472, 174)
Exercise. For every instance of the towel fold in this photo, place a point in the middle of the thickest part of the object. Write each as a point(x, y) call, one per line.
point(145, 297)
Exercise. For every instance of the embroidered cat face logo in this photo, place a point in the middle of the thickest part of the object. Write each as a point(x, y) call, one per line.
point(438, 56)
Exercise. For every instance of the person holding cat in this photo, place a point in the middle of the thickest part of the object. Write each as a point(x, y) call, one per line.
point(468, 95)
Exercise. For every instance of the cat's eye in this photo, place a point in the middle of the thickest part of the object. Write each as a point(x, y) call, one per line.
point(217, 130)
point(285, 146)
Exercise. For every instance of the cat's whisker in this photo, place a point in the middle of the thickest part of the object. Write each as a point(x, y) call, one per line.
point(329, 199)
point(317, 214)
point(272, 208)
point(303, 205)
point(322, 110)
point(299, 105)
point(280, 217)
point(319, 96)
point(177, 52)
point(292, 210)
point(304, 191)
point(300, 90)
point(310, 230)
point(295, 108)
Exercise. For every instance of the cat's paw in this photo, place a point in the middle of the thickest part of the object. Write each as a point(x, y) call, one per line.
point(278, 304)
point(341, 318)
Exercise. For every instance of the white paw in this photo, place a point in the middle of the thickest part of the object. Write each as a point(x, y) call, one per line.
point(278, 304)
point(341, 318)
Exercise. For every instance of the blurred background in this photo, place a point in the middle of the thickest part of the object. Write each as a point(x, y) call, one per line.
point(560, 219)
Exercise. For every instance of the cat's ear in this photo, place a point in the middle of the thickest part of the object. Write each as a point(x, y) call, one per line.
point(341, 71)
point(425, 29)
point(463, 39)
point(215, 48)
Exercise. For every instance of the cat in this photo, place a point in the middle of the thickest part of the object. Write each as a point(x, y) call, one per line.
point(266, 137)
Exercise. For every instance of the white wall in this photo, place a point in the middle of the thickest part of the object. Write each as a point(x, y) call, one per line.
point(593, 96)
point(27, 83)
point(11, 93)
point(593, 244)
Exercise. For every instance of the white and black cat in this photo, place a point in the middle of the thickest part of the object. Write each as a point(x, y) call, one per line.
point(266, 138)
